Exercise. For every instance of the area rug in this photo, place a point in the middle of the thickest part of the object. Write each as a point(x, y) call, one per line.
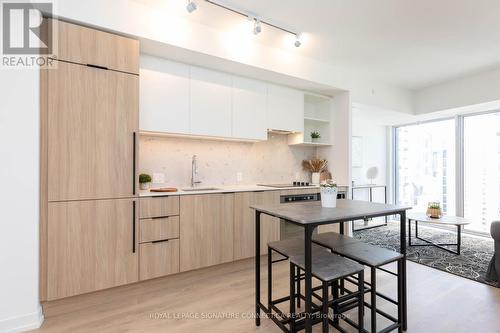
point(472, 263)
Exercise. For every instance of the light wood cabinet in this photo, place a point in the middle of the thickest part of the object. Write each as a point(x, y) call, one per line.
point(285, 108)
point(159, 259)
point(91, 246)
point(164, 91)
point(92, 116)
point(83, 45)
point(244, 223)
point(249, 108)
point(206, 224)
point(156, 229)
point(210, 101)
point(159, 206)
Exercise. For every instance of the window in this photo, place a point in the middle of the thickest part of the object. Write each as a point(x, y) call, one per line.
point(482, 170)
point(425, 167)
point(426, 161)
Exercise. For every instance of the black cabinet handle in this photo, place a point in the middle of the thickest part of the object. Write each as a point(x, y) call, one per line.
point(97, 66)
point(133, 164)
point(133, 226)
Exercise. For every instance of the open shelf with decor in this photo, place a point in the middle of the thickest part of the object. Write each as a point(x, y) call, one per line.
point(317, 125)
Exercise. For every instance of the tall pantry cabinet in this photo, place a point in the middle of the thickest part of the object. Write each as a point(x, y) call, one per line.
point(89, 116)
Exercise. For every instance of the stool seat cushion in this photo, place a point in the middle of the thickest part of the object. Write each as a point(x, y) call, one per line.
point(368, 254)
point(333, 240)
point(327, 266)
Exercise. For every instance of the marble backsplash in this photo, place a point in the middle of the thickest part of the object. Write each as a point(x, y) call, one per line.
point(271, 161)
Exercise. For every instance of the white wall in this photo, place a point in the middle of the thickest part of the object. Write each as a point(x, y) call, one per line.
point(368, 124)
point(475, 89)
point(19, 199)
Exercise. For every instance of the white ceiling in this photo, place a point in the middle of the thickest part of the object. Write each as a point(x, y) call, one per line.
point(408, 43)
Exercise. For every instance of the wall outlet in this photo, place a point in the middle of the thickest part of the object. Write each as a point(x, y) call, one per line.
point(239, 176)
point(158, 178)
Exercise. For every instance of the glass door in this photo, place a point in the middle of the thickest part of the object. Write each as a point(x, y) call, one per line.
point(425, 165)
point(482, 170)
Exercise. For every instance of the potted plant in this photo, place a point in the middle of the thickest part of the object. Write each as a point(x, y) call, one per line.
point(144, 181)
point(434, 210)
point(315, 166)
point(315, 136)
point(328, 194)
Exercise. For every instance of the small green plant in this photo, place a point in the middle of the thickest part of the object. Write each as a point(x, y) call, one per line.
point(144, 178)
point(329, 183)
point(434, 205)
point(315, 135)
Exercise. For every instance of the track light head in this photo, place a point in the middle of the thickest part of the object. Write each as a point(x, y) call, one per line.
point(257, 28)
point(191, 6)
point(298, 40)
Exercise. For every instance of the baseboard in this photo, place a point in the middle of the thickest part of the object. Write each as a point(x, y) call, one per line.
point(23, 323)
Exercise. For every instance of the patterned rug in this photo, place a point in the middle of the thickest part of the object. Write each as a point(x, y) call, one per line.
point(476, 252)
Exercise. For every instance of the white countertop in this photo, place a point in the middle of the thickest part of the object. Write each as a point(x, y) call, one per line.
point(226, 189)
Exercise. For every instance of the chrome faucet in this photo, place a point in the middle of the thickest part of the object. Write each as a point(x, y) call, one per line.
point(194, 171)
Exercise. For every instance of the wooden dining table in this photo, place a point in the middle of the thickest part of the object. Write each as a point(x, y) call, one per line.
point(310, 215)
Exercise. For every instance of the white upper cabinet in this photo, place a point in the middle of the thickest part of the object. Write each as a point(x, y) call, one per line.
point(285, 109)
point(164, 96)
point(210, 103)
point(249, 109)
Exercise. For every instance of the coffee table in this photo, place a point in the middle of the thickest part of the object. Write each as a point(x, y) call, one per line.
point(457, 221)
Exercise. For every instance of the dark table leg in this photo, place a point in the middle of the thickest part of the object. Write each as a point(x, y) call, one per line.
point(257, 268)
point(409, 232)
point(459, 238)
point(308, 277)
point(341, 230)
point(402, 217)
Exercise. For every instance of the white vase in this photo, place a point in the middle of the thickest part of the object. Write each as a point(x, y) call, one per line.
point(144, 186)
point(315, 178)
point(329, 197)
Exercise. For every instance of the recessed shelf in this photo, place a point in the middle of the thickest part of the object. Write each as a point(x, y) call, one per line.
point(311, 144)
point(316, 120)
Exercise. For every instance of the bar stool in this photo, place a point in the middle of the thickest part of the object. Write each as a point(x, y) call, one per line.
point(327, 267)
point(373, 257)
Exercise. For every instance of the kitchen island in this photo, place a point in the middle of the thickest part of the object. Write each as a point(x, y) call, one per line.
point(311, 215)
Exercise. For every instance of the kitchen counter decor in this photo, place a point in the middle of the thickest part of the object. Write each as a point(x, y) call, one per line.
point(144, 181)
point(315, 166)
point(328, 194)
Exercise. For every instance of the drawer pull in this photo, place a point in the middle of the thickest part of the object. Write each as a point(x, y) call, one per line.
point(159, 217)
point(160, 241)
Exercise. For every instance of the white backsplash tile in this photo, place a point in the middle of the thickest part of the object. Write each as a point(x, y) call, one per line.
point(271, 161)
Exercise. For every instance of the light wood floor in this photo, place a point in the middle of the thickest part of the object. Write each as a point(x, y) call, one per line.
point(438, 302)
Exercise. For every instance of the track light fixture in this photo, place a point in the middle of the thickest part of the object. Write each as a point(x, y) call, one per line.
point(191, 6)
point(257, 28)
point(298, 40)
point(257, 22)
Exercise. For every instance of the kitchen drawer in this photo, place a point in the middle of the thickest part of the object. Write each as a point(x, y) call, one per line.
point(159, 206)
point(162, 228)
point(158, 259)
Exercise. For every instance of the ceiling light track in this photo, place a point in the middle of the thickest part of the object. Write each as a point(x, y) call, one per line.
point(257, 21)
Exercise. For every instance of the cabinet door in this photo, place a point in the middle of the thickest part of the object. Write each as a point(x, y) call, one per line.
point(244, 223)
point(92, 115)
point(285, 108)
point(90, 246)
point(206, 223)
point(249, 109)
point(159, 259)
point(164, 91)
point(84, 45)
point(210, 103)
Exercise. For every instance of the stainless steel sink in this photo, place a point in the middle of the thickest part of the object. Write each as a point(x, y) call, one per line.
point(196, 189)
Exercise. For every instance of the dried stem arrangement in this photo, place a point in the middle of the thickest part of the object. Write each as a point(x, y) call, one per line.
point(315, 165)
